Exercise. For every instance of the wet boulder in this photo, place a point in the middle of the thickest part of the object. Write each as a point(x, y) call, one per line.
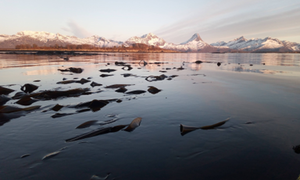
point(121, 90)
point(3, 99)
point(115, 86)
point(29, 88)
point(153, 90)
point(105, 75)
point(5, 91)
point(72, 69)
point(107, 70)
point(93, 84)
point(136, 92)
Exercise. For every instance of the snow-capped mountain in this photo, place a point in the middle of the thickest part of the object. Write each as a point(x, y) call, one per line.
point(194, 44)
point(267, 44)
point(50, 39)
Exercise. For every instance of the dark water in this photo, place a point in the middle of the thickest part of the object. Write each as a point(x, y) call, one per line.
point(258, 92)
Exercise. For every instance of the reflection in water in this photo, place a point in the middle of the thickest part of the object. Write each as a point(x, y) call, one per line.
point(170, 90)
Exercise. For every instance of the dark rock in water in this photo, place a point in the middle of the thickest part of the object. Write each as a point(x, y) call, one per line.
point(251, 64)
point(58, 115)
point(136, 92)
point(3, 99)
point(153, 90)
point(127, 68)
point(29, 88)
point(37, 81)
point(5, 91)
point(26, 101)
point(156, 78)
point(119, 100)
point(97, 132)
point(263, 63)
point(106, 75)
point(94, 105)
point(121, 90)
point(72, 69)
point(47, 95)
point(198, 62)
point(83, 110)
point(219, 64)
point(162, 71)
point(186, 129)
point(180, 68)
point(57, 107)
point(168, 68)
point(117, 63)
point(89, 78)
point(107, 70)
point(13, 109)
point(134, 124)
point(75, 70)
point(24, 155)
point(93, 84)
point(86, 124)
point(127, 75)
point(81, 81)
point(296, 149)
point(115, 86)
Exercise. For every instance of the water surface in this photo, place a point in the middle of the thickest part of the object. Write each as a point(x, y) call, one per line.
point(258, 92)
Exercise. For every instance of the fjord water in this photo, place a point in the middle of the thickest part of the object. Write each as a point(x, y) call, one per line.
point(258, 92)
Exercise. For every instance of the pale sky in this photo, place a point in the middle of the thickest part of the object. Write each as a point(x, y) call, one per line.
point(173, 20)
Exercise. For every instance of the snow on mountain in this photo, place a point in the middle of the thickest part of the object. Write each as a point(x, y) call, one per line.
point(267, 44)
point(48, 39)
point(194, 44)
point(149, 39)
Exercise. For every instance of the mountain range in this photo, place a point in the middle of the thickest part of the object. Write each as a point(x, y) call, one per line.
point(194, 44)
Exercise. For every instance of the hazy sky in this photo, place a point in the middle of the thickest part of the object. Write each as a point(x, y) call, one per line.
point(174, 20)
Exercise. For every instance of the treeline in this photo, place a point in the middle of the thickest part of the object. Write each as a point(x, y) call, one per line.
point(84, 46)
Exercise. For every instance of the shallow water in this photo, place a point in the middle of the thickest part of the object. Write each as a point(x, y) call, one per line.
point(258, 92)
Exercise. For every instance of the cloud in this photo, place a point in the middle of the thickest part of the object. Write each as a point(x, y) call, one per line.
point(76, 30)
point(223, 20)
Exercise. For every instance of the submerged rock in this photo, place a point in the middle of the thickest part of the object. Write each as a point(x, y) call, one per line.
point(19, 95)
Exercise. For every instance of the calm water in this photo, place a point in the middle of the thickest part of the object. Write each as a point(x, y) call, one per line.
point(260, 93)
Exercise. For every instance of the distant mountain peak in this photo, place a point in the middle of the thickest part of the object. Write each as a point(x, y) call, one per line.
point(148, 35)
point(242, 38)
point(195, 37)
